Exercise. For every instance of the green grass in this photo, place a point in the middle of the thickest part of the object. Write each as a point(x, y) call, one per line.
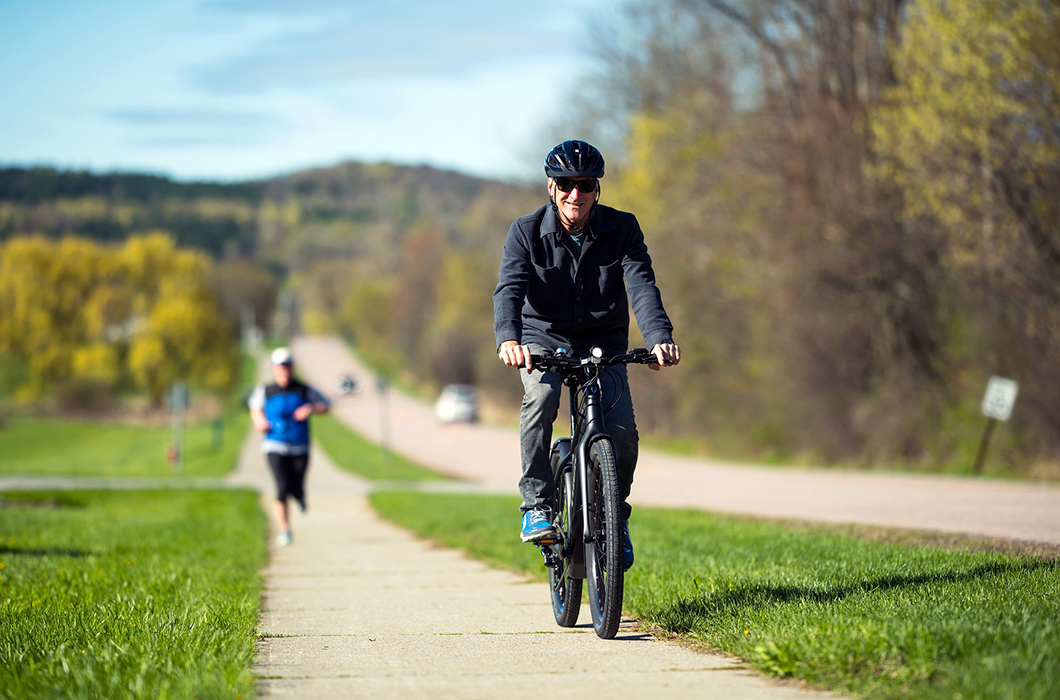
point(355, 454)
point(58, 447)
point(870, 618)
point(129, 594)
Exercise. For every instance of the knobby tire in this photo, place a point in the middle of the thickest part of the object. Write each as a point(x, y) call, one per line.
point(603, 557)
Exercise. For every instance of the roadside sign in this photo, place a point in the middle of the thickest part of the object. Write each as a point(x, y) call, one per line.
point(1000, 398)
point(178, 396)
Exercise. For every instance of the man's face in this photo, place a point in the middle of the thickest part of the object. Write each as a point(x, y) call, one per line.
point(282, 373)
point(574, 205)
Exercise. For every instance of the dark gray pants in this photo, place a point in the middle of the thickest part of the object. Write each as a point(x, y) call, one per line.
point(541, 405)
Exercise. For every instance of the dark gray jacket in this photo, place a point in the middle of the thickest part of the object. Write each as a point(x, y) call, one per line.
point(547, 296)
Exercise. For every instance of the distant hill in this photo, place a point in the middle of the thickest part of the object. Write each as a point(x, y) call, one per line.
point(347, 209)
point(356, 210)
point(212, 216)
point(38, 185)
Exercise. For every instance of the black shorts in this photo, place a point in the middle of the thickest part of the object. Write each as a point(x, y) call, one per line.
point(289, 472)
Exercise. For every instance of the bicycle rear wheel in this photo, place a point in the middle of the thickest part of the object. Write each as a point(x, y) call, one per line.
point(566, 591)
point(603, 557)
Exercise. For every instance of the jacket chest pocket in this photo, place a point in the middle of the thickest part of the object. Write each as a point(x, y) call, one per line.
point(550, 287)
point(610, 280)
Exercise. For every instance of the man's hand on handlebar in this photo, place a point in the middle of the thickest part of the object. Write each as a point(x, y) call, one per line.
point(667, 354)
point(513, 354)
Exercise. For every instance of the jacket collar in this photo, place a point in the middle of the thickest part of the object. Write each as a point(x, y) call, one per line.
point(600, 223)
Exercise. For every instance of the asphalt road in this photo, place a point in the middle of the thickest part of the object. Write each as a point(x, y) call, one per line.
point(489, 457)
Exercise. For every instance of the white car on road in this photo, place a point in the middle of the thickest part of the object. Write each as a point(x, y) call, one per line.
point(457, 403)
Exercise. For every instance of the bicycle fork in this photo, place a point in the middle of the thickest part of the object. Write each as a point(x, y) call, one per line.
point(594, 430)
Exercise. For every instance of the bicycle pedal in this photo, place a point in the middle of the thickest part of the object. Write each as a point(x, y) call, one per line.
point(547, 541)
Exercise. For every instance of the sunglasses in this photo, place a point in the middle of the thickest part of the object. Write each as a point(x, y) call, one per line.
point(566, 184)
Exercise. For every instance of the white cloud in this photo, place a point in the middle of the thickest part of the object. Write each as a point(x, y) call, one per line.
point(238, 88)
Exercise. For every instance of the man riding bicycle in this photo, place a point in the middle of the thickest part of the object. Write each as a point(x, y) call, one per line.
point(564, 278)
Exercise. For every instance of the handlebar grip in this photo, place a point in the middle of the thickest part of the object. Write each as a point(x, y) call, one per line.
point(645, 356)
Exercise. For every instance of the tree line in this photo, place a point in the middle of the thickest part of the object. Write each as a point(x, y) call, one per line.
point(853, 205)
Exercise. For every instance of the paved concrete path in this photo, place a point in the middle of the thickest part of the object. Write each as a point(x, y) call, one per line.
point(358, 608)
point(489, 456)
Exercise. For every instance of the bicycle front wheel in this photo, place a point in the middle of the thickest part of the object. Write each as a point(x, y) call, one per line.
point(603, 556)
point(566, 591)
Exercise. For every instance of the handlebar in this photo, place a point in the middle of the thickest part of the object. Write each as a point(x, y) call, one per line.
point(554, 362)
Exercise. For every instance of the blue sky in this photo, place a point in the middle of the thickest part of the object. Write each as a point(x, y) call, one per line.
point(229, 89)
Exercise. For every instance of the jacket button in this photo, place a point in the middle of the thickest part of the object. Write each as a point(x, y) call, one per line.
point(577, 298)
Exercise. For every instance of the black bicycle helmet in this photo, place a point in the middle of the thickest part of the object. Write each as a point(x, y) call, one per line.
point(574, 158)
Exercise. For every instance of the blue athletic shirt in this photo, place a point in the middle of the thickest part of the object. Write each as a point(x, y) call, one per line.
point(286, 435)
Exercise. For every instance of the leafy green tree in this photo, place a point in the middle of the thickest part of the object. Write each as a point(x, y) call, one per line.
point(971, 131)
point(366, 314)
point(76, 310)
point(243, 284)
point(460, 334)
point(183, 334)
point(58, 301)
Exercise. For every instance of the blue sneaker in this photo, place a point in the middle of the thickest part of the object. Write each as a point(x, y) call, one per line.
point(627, 548)
point(536, 525)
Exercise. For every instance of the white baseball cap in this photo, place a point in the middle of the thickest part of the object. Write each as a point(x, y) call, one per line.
point(282, 356)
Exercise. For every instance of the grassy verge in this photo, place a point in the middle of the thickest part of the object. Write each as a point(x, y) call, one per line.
point(56, 447)
point(129, 594)
point(355, 454)
point(871, 618)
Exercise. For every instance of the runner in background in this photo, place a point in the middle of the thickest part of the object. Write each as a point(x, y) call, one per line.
point(281, 410)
